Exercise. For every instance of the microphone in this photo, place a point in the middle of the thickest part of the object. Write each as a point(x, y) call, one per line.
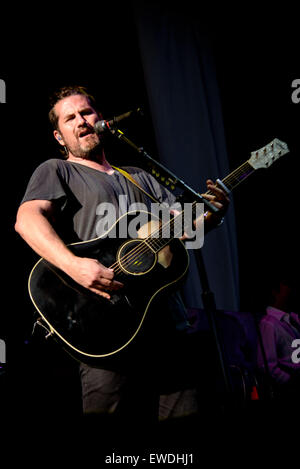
point(103, 125)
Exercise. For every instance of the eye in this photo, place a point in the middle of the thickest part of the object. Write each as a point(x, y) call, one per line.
point(87, 112)
point(70, 117)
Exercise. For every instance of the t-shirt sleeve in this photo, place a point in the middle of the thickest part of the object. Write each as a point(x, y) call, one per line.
point(46, 183)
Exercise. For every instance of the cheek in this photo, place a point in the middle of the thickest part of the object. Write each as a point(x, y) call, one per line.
point(95, 118)
point(68, 134)
point(92, 121)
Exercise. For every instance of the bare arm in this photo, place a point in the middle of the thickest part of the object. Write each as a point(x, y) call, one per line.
point(34, 225)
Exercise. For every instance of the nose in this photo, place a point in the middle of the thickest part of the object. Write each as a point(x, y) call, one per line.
point(81, 120)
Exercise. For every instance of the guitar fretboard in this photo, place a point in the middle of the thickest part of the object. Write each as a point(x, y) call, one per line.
point(238, 175)
point(171, 229)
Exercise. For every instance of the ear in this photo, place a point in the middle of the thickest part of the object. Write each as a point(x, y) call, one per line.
point(58, 137)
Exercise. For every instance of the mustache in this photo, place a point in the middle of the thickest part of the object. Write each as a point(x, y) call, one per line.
point(84, 128)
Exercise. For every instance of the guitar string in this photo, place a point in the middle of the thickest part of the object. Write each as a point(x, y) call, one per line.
point(234, 179)
point(243, 170)
point(132, 256)
point(236, 174)
point(237, 179)
point(134, 253)
point(127, 259)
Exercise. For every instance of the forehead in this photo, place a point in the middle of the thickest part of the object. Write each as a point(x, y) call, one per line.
point(71, 104)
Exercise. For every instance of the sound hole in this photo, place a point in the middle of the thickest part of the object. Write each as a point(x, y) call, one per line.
point(136, 258)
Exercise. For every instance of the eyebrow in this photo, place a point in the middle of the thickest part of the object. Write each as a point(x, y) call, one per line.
point(67, 116)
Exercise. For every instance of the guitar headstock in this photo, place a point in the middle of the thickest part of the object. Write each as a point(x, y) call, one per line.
point(265, 156)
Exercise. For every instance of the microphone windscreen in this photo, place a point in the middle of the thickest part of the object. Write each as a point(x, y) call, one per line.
point(99, 127)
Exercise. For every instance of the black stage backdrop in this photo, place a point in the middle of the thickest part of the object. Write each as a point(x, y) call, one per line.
point(213, 86)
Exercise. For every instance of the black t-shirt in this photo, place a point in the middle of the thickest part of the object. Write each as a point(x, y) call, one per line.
point(78, 190)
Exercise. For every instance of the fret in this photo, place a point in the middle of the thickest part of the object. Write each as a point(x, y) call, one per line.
point(238, 175)
point(170, 230)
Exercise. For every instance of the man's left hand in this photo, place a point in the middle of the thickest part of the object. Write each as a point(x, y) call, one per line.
point(219, 199)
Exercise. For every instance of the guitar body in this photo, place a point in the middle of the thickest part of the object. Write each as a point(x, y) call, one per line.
point(92, 326)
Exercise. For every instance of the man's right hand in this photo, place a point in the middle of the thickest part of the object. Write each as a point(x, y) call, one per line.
point(34, 224)
point(94, 276)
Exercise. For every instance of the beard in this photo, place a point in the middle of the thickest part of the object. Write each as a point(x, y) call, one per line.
point(91, 149)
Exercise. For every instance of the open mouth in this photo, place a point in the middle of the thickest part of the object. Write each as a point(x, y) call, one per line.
point(85, 133)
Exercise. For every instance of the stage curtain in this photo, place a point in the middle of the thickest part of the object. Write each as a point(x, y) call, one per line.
point(184, 100)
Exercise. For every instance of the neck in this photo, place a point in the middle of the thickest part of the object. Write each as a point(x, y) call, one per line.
point(98, 161)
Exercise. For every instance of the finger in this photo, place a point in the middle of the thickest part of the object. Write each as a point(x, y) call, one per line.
point(101, 293)
point(107, 273)
point(210, 197)
point(105, 282)
point(211, 183)
point(215, 189)
point(174, 212)
point(116, 285)
point(218, 205)
point(110, 284)
point(218, 194)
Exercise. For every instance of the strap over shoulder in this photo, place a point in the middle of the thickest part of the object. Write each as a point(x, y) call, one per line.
point(131, 179)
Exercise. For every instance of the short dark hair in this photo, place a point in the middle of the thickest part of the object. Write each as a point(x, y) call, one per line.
point(62, 93)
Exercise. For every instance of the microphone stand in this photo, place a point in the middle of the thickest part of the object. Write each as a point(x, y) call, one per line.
point(172, 179)
point(207, 295)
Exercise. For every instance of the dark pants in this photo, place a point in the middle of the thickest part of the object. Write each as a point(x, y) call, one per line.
point(152, 379)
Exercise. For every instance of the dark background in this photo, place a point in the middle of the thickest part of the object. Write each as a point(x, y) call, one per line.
point(256, 57)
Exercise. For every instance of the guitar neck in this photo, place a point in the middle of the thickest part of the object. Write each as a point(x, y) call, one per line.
point(238, 175)
point(261, 158)
point(174, 225)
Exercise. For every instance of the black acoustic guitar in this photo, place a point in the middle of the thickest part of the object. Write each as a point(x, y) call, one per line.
point(93, 327)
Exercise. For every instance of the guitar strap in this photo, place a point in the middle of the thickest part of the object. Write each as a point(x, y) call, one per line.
point(131, 179)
